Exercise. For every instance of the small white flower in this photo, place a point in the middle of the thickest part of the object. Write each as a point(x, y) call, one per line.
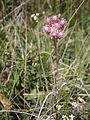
point(58, 107)
point(74, 104)
point(32, 15)
point(81, 100)
point(43, 12)
point(72, 116)
point(67, 118)
point(36, 21)
point(37, 14)
point(64, 117)
point(35, 17)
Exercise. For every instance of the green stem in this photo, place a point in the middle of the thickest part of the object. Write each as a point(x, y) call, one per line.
point(56, 71)
point(25, 51)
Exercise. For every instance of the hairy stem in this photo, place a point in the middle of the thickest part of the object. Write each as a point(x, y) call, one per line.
point(56, 71)
point(25, 50)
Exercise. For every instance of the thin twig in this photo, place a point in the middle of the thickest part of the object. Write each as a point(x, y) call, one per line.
point(15, 111)
point(44, 103)
point(18, 116)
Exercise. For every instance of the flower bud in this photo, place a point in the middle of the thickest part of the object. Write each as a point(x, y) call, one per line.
point(48, 22)
point(53, 34)
point(57, 25)
point(55, 19)
point(61, 35)
point(62, 22)
point(46, 29)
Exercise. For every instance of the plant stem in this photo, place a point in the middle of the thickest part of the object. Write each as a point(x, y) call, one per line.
point(56, 71)
point(77, 16)
point(25, 50)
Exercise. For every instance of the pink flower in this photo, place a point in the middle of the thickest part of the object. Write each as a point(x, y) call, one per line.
point(54, 27)
point(62, 22)
point(61, 35)
point(55, 19)
point(57, 25)
point(46, 29)
point(48, 22)
point(53, 34)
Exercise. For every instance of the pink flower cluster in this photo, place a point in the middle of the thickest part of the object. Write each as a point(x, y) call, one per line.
point(54, 27)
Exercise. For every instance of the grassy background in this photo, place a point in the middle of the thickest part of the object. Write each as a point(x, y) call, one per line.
point(25, 49)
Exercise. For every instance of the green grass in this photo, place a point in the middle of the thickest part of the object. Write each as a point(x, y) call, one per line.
point(73, 79)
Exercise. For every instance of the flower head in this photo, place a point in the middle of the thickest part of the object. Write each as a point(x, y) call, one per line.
point(46, 29)
point(48, 22)
point(54, 27)
point(55, 19)
point(63, 22)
